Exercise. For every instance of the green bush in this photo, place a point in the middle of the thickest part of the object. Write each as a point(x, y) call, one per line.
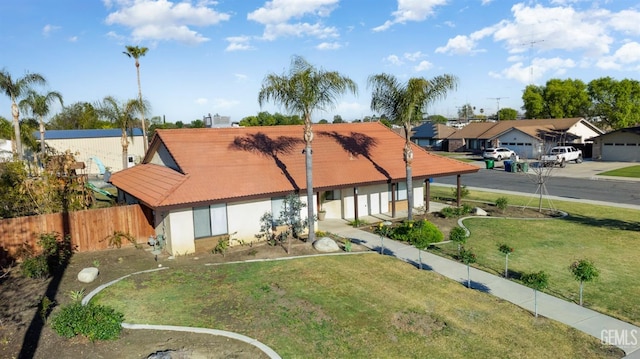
point(464, 192)
point(35, 267)
point(450, 212)
point(502, 203)
point(458, 235)
point(420, 231)
point(95, 322)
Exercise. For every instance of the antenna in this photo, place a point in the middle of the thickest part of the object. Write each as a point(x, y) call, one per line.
point(498, 101)
point(531, 43)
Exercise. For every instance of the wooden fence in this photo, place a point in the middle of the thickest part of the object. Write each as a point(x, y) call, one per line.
point(87, 229)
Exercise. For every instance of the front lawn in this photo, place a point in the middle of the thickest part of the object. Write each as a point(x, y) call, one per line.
point(631, 171)
point(365, 305)
point(606, 235)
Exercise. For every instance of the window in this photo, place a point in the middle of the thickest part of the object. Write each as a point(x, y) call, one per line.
point(210, 220)
point(401, 191)
point(331, 195)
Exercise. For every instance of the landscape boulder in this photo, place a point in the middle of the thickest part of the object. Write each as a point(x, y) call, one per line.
point(88, 275)
point(479, 211)
point(325, 245)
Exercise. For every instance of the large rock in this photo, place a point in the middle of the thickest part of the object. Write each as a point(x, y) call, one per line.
point(479, 211)
point(326, 244)
point(88, 275)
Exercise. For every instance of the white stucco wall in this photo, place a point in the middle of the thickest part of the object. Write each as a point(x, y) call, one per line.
point(585, 132)
point(181, 235)
point(107, 149)
point(243, 218)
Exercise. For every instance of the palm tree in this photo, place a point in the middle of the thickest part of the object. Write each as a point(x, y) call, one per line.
point(14, 90)
point(122, 116)
point(136, 52)
point(39, 106)
point(405, 104)
point(304, 90)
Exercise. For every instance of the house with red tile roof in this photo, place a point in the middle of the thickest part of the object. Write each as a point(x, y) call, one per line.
point(205, 182)
point(528, 138)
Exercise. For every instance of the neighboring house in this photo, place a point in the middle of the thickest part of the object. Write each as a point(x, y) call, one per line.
point(104, 144)
point(217, 121)
point(621, 145)
point(528, 138)
point(202, 183)
point(6, 151)
point(432, 135)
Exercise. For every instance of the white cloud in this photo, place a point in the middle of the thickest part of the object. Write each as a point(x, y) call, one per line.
point(48, 29)
point(538, 69)
point(224, 103)
point(276, 14)
point(73, 39)
point(626, 21)
point(163, 19)
point(414, 56)
point(423, 66)
point(240, 77)
point(459, 45)
point(328, 46)
point(411, 10)
point(201, 101)
point(627, 54)
point(394, 60)
point(238, 43)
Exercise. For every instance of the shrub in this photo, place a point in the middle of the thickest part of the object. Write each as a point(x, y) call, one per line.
point(95, 322)
point(458, 235)
point(117, 238)
point(502, 203)
point(35, 267)
point(464, 192)
point(450, 212)
point(222, 245)
point(54, 254)
point(421, 231)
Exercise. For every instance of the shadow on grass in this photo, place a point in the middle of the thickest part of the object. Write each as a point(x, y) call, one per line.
point(475, 285)
point(604, 222)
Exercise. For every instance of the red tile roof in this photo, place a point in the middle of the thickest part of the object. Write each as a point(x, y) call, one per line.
point(536, 128)
point(234, 163)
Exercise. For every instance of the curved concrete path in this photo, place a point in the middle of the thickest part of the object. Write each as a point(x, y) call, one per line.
point(586, 320)
point(265, 349)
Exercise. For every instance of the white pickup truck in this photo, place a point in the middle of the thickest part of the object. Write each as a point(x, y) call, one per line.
point(561, 155)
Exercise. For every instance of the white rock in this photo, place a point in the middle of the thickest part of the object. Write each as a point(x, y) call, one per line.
point(88, 275)
point(479, 211)
point(326, 244)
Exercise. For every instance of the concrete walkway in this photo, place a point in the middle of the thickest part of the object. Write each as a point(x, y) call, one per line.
point(583, 319)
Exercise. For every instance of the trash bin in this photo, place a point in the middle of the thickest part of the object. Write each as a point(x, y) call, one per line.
point(489, 164)
point(507, 166)
point(523, 166)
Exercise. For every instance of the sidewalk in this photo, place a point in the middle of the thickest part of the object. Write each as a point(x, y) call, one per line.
point(583, 319)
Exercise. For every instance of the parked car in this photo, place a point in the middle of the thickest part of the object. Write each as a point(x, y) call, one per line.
point(498, 153)
point(560, 155)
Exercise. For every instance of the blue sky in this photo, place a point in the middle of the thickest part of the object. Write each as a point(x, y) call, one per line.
point(212, 56)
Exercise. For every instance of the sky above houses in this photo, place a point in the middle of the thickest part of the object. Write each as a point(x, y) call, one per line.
point(212, 56)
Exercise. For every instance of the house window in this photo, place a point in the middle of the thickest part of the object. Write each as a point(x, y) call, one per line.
point(331, 195)
point(401, 191)
point(277, 204)
point(210, 220)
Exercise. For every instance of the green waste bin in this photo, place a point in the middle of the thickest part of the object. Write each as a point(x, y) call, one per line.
point(523, 166)
point(489, 164)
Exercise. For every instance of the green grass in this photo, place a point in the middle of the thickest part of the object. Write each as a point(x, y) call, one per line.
point(608, 236)
point(631, 171)
point(366, 306)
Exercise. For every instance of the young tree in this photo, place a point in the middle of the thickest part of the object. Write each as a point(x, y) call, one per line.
point(384, 230)
point(405, 104)
point(122, 116)
point(15, 90)
point(136, 53)
point(583, 270)
point(304, 90)
point(468, 257)
point(506, 250)
point(458, 235)
point(537, 281)
point(39, 105)
point(291, 217)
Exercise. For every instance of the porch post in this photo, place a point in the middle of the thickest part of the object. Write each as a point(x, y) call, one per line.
point(427, 194)
point(458, 191)
point(355, 203)
point(393, 200)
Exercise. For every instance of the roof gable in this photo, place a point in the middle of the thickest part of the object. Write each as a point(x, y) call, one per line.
point(233, 163)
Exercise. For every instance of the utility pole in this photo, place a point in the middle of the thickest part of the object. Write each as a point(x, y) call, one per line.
point(531, 43)
point(498, 101)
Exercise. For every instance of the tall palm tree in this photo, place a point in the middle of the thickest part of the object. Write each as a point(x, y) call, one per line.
point(14, 90)
point(39, 105)
point(304, 90)
point(122, 116)
point(405, 104)
point(137, 52)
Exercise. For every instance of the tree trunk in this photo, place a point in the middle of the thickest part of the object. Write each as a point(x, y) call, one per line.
point(144, 127)
point(308, 137)
point(581, 285)
point(125, 149)
point(16, 130)
point(468, 277)
point(506, 265)
point(42, 137)
point(408, 158)
point(535, 302)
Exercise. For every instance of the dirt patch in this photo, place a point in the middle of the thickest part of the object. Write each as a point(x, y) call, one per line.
point(423, 324)
point(24, 334)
